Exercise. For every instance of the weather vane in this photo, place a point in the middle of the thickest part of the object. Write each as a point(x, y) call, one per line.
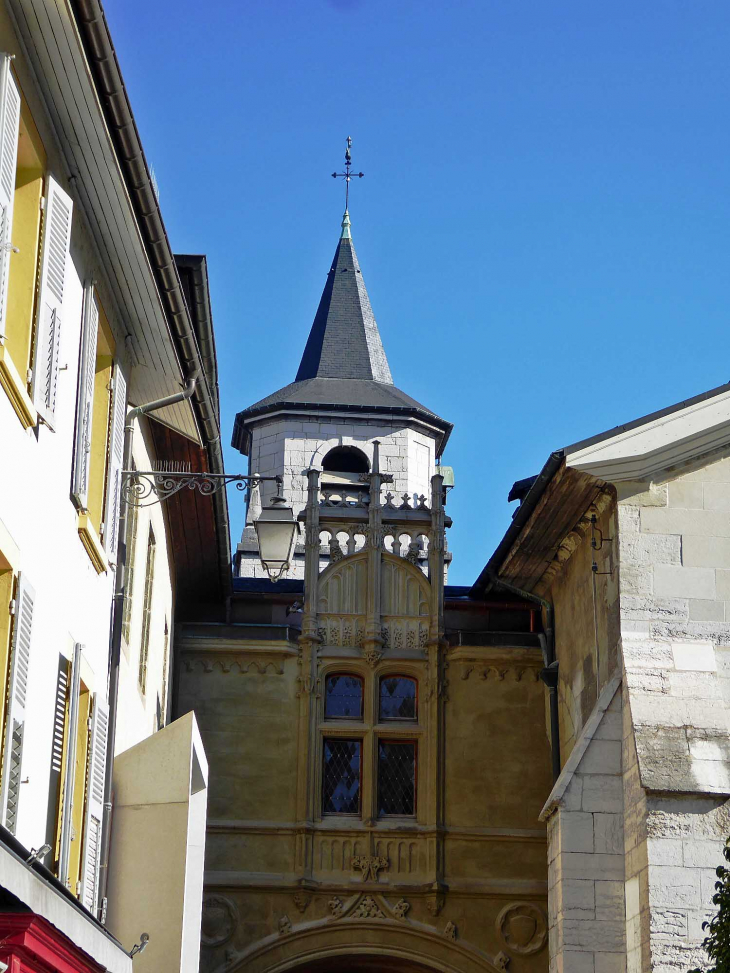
point(347, 175)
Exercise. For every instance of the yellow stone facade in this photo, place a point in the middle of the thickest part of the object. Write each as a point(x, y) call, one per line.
point(461, 884)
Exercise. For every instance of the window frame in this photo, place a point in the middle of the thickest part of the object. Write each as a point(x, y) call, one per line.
point(368, 731)
point(345, 719)
point(410, 720)
point(412, 741)
point(147, 610)
point(343, 738)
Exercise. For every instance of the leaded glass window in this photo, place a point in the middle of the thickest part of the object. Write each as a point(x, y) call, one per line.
point(341, 777)
point(397, 698)
point(343, 697)
point(396, 777)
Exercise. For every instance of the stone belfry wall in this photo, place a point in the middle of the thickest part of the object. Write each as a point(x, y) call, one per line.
point(289, 446)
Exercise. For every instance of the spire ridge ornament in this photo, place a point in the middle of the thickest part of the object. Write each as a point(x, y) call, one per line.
point(347, 175)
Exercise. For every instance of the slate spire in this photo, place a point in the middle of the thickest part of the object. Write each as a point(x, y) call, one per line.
point(344, 341)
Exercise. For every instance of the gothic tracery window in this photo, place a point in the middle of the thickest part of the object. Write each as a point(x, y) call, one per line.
point(388, 757)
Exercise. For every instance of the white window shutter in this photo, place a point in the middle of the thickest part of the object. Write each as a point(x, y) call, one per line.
point(17, 704)
point(94, 806)
point(116, 459)
point(85, 397)
point(54, 253)
point(9, 128)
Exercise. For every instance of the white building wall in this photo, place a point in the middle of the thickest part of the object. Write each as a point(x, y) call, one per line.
point(38, 521)
point(137, 709)
point(73, 602)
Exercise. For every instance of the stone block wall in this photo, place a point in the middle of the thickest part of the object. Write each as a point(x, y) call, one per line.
point(586, 857)
point(675, 624)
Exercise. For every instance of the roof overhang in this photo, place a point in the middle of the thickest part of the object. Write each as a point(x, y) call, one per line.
point(70, 51)
point(246, 420)
point(575, 477)
point(660, 442)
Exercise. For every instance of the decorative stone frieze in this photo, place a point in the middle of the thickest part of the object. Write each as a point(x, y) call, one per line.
point(369, 865)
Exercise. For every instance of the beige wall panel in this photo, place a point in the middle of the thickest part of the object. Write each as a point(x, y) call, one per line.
point(248, 724)
point(491, 724)
point(576, 625)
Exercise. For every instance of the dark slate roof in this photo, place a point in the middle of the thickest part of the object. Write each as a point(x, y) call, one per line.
point(344, 341)
point(344, 365)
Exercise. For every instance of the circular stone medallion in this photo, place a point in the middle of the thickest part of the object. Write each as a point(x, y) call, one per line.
point(220, 919)
point(522, 927)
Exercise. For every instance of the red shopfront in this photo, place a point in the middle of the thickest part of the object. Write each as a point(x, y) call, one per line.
point(31, 944)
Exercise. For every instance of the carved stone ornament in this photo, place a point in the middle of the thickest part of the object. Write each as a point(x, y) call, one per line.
point(219, 920)
point(367, 908)
point(302, 900)
point(372, 657)
point(522, 927)
point(501, 961)
point(369, 865)
point(413, 552)
point(336, 552)
point(435, 904)
point(450, 931)
point(284, 926)
point(364, 905)
point(401, 908)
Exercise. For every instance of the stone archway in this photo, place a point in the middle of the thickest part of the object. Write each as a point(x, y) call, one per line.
point(361, 946)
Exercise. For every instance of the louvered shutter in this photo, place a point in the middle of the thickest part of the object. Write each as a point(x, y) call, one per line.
point(116, 457)
point(94, 806)
point(67, 794)
point(9, 127)
point(56, 238)
point(85, 397)
point(17, 693)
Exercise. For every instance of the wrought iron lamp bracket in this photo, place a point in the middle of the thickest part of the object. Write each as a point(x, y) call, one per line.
point(143, 488)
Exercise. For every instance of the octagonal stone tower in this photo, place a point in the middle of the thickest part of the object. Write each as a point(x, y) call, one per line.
point(342, 400)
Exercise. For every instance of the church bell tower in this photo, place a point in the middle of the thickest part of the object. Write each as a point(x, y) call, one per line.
point(328, 419)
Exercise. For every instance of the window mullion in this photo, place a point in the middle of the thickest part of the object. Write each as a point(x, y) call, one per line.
point(369, 776)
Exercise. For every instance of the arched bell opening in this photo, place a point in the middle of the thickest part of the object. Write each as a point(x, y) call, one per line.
point(345, 459)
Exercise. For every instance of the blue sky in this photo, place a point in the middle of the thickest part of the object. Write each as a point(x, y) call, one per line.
point(543, 226)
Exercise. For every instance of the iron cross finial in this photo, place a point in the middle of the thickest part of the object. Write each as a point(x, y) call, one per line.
point(347, 175)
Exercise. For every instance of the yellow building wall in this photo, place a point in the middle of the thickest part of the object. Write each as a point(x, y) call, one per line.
point(25, 236)
point(586, 607)
point(496, 779)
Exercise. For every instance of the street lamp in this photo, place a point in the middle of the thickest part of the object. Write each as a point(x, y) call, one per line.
point(276, 528)
point(276, 531)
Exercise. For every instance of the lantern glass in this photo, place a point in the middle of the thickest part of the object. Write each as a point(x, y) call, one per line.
point(276, 531)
